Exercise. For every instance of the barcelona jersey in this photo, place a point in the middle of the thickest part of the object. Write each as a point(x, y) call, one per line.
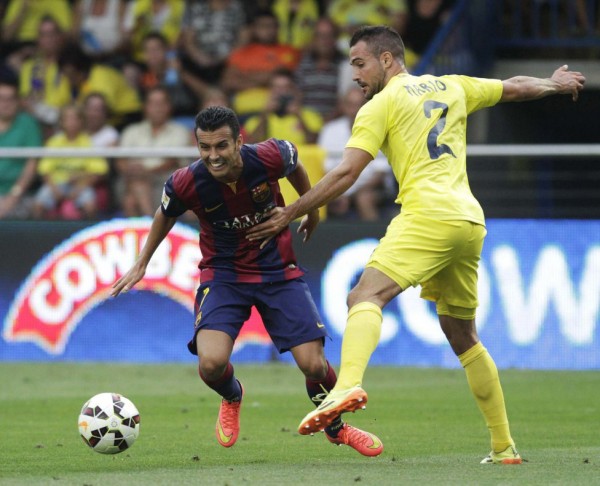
point(227, 211)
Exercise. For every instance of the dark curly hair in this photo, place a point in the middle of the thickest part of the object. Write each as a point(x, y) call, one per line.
point(214, 117)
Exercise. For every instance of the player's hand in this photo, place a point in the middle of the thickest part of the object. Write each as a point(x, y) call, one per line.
point(568, 82)
point(308, 224)
point(127, 281)
point(279, 219)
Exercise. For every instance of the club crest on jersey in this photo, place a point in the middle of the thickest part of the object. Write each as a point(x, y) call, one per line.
point(261, 192)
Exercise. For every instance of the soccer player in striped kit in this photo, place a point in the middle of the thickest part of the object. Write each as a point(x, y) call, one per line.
point(231, 188)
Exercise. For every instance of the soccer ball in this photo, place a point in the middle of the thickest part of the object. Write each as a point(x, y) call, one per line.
point(109, 423)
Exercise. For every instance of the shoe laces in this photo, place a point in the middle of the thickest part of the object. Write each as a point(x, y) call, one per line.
point(319, 398)
point(350, 434)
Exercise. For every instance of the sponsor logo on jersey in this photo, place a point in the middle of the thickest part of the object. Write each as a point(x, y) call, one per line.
point(214, 208)
point(165, 200)
point(245, 221)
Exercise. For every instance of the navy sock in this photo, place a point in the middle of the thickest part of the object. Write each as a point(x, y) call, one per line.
point(227, 386)
point(317, 390)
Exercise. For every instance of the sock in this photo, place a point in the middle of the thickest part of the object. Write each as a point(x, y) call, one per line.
point(360, 340)
point(482, 376)
point(227, 386)
point(316, 392)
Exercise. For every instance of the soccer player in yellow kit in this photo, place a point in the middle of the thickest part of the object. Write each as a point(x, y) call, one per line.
point(419, 123)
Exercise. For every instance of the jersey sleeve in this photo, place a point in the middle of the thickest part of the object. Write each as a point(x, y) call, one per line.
point(279, 156)
point(171, 205)
point(370, 126)
point(480, 92)
point(289, 154)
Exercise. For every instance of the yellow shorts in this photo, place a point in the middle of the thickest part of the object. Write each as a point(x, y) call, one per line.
point(441, 256)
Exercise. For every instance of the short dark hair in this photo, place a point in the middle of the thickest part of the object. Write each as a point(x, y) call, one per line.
point(215, 117)
point(100, 96)
point(380, 39)
point(159, 88)
point(52, 20)
point(10, 81)
point(284, 73)
point(72, 55)
point(264, 12)
point(155, 35)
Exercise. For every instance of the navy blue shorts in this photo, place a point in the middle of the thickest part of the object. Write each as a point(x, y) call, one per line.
point(287, 309)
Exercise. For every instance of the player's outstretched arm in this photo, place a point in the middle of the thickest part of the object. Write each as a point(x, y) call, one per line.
point(525, 88)
point(332, 185)
point(161, 225)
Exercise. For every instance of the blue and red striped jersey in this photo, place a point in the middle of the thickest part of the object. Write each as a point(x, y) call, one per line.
point(226, 214)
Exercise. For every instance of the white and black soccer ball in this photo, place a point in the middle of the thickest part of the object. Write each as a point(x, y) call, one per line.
point(109, 423)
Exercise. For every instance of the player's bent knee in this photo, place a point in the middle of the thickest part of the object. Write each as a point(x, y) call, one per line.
point(314, 369)
point(210, 368)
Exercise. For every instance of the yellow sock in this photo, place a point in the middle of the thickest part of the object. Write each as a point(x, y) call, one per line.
point(482, 376)
point(360, 340)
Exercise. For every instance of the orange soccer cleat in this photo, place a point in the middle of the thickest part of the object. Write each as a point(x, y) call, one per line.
point(363, 442)
point(228, 421)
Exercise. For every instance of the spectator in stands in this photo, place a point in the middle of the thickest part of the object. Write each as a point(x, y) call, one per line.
point(162, 67)
point(69, 183)
point(214, 97)
point(43, 88)
point(349, 15)
point(322, 71)
point(17, 129)
point(217, 97)
point(369, 191)
point(252, 8)
point(23, 17)
point(96, 115)
point(249, 68)
point(142, 178)
point(424, 20)
point(145, 16)
point(297, 20)
point(12, 59)
point(284, 116)
point(86, 77)
point(211, 30)
point(98, 25)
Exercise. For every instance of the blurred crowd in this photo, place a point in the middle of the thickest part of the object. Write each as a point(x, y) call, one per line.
point(134, 73)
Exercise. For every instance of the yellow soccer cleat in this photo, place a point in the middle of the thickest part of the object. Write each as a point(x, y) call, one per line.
point(507, 456)
point(335, 404)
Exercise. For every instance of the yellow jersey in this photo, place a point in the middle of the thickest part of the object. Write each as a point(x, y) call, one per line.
point(61, 169)
point(34, 12)
point(120, 96)
point(419, 123)
point(44, 80)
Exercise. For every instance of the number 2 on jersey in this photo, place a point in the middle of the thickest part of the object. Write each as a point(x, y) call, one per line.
point(435, 150)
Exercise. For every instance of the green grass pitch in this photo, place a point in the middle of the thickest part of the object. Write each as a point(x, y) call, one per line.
point(431, 428)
